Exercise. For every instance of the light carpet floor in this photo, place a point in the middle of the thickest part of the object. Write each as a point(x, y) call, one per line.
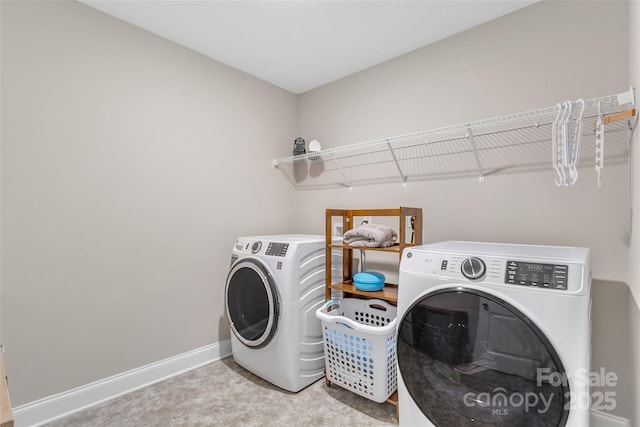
point(223, 393)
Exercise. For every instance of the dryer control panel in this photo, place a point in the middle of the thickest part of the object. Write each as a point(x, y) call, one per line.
point(552, 276)
point(259, 247)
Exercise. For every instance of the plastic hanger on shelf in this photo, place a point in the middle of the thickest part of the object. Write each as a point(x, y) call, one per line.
point(566, 138)
point(599, 145)
point(558, 151)
point(575, 144)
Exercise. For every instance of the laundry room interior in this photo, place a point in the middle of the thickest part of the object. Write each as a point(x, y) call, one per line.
point(131, 165)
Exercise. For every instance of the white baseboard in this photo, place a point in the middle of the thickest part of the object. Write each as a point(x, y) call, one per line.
point(59, 405)
point(603, 419)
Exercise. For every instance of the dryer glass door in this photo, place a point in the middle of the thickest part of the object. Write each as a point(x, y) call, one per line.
point(468, 358)
point(252, 303)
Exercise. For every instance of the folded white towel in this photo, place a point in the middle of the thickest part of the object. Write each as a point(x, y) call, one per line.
point(371, 236)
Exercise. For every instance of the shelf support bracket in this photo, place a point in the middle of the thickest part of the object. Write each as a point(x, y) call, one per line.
point(395, 159)
point(628, 97)
point(344, 176)
point(475, 152)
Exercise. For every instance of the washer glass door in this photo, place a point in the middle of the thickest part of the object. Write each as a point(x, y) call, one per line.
point(252, 303)
point(469, 358)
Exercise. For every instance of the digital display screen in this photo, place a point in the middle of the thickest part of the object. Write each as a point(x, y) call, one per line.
point(277, 249)
point(537, 274)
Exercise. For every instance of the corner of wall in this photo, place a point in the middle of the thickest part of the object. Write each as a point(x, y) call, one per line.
point(634, 250)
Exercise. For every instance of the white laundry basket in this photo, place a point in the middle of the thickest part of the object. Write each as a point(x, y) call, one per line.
point(360, 345)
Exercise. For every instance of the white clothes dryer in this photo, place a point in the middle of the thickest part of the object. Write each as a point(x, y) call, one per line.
point(493, 335)
point(273, 289)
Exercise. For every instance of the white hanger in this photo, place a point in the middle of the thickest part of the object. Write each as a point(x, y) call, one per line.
point(575, 146)
point(557, 145)
point(599, 144)
point(566, 139)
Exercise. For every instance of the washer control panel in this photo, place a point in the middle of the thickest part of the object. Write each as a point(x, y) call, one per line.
point(552, 276)
point(277, 249)
point(533, 268)
point(508, 271)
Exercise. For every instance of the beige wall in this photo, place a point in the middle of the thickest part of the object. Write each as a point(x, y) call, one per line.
point(509, 65)
point(129, 166)
point(505, 66)
point(634, 252)
point(611, 348)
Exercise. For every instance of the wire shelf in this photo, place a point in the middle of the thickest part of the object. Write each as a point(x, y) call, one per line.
point(512, 143)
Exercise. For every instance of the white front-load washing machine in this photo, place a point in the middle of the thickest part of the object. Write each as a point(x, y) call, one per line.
point(273, 289)
point(493, 335)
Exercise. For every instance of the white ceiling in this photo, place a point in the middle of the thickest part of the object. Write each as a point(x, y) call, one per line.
point(301, 45)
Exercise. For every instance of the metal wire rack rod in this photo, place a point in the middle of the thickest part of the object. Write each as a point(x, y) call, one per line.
point(395, 159)
point(346, 180)
point(475, 152)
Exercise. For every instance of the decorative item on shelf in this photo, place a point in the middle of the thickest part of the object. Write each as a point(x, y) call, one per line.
point(300, 171)
point(317, 164)
point(307, 162)
point(368, 281)
point(298, 147)
point(314, 147)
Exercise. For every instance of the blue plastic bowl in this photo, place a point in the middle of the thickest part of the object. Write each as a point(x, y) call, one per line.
point(369, 281)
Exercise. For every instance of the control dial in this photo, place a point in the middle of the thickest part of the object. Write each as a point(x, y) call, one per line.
point(473, 268)
point(256, 246)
